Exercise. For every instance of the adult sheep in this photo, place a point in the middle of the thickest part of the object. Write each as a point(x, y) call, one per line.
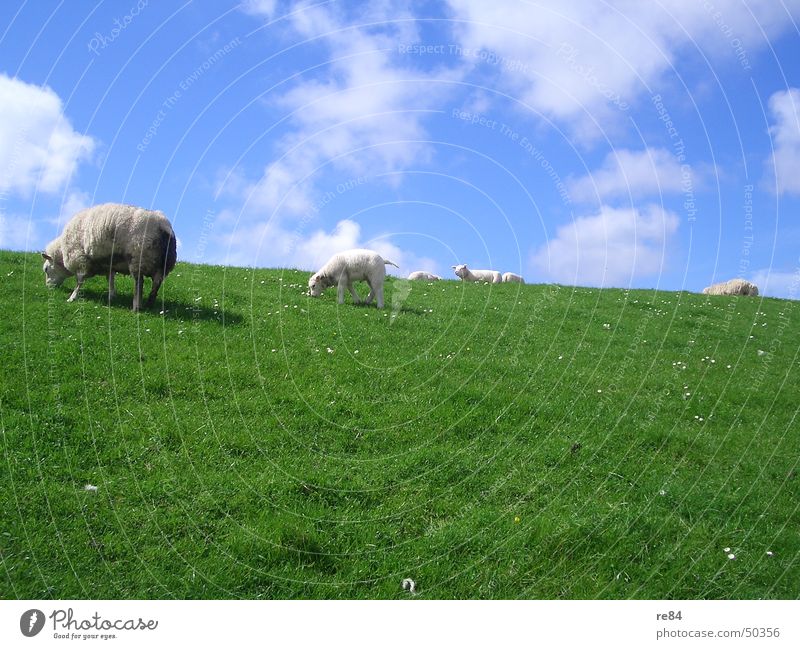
point(467, 275)
point(422, 274)
point(350, 266)
point(513, 277)
point(732, 287)
point(113, 238)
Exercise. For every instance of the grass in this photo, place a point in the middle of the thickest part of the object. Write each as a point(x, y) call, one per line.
point(488, 441)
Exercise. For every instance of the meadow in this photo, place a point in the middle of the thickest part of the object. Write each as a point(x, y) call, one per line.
point(243, 440)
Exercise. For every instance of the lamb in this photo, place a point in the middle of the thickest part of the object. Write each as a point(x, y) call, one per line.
point(422, 274)
point(467, 275)
point(108, 239)
point(349, 266)
point(513, 277)
point(732, 287)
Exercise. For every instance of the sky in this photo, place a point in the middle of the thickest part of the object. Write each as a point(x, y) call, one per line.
point(583, 142)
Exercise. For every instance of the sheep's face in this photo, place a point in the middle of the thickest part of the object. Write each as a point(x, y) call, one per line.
point(54, 274)
point(460, 270)
point(316, 285)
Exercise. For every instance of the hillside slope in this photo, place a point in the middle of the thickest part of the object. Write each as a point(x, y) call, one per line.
point(487, 441)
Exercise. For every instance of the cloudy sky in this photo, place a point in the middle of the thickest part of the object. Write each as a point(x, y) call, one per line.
point(589, 142)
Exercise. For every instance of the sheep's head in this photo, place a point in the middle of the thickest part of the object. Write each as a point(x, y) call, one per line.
point(460, 270)
point(54, 273)
point(316, 284)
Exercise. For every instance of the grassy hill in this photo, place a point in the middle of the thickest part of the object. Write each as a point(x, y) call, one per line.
point(486, 441)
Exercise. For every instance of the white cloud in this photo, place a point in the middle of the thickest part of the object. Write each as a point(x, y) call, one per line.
point(17, 233)
point(785, 109)
point(631, 173)
point(581, 61)
point(611, 248)
point(272, 244)
point(363, 116)
point(774, 283)
point(38, 147)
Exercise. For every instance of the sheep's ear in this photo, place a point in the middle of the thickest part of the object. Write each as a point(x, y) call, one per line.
point(46, 257)
point(453, 267)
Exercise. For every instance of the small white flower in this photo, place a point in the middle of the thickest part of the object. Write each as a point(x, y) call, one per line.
point(409, 585)
point(274, 350)
point(329, 350)
point(726, 550)
point(769, 553)
point(662, 493)
point(761, 352)
point(560, 357)
point(731, 556)
point(90, 487)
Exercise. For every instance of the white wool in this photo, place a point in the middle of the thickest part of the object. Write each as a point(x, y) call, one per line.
point(112, 238)
point(513, 277)
point(422, 274)
point(350, 266)
point(469, 275)
point(732, 287)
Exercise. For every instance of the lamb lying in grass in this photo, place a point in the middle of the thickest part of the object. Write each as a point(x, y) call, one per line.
point(421, 274)
point(350, 266)
point(513, 277)
point(467, 275)
point(732, 287)
point(113, 238)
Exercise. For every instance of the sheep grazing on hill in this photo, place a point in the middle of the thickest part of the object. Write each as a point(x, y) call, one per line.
point(350, 266)
point(108, 239)
point(421, 274)
point(467, 275)
point(513, 277)
point(732, 287)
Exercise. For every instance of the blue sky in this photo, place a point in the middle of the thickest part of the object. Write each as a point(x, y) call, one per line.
point(580, 142)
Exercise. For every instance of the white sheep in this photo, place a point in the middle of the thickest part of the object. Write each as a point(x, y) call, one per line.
point(513, 277)
point(350, 266)
point(467, 275)
point(732, 287)
point(108, 239)
point(422, 274)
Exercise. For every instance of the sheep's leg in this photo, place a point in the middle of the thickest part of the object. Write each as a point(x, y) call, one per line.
point(112, 292)
point(157, 279)
point(80, 277)
point(137, 291)
point(340, 294)
point(371, 293)
point(356, 299)
point(379, 294)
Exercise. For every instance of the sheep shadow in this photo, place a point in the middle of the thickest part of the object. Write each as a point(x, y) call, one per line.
point(172, 309)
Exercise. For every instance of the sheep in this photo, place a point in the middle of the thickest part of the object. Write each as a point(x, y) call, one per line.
point(349, 266)
point(108, 239)
point(467, 275)
point(732, 287)
point(513, 277)
point(422, 274)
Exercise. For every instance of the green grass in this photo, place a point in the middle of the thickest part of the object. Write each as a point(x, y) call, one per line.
point(488, 441)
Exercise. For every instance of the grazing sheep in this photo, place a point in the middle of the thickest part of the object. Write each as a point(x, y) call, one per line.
point(349, 266)
point(732, 287)
point(108, 239)
point(513, 277)
point(421, 274)
point(467, 275)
